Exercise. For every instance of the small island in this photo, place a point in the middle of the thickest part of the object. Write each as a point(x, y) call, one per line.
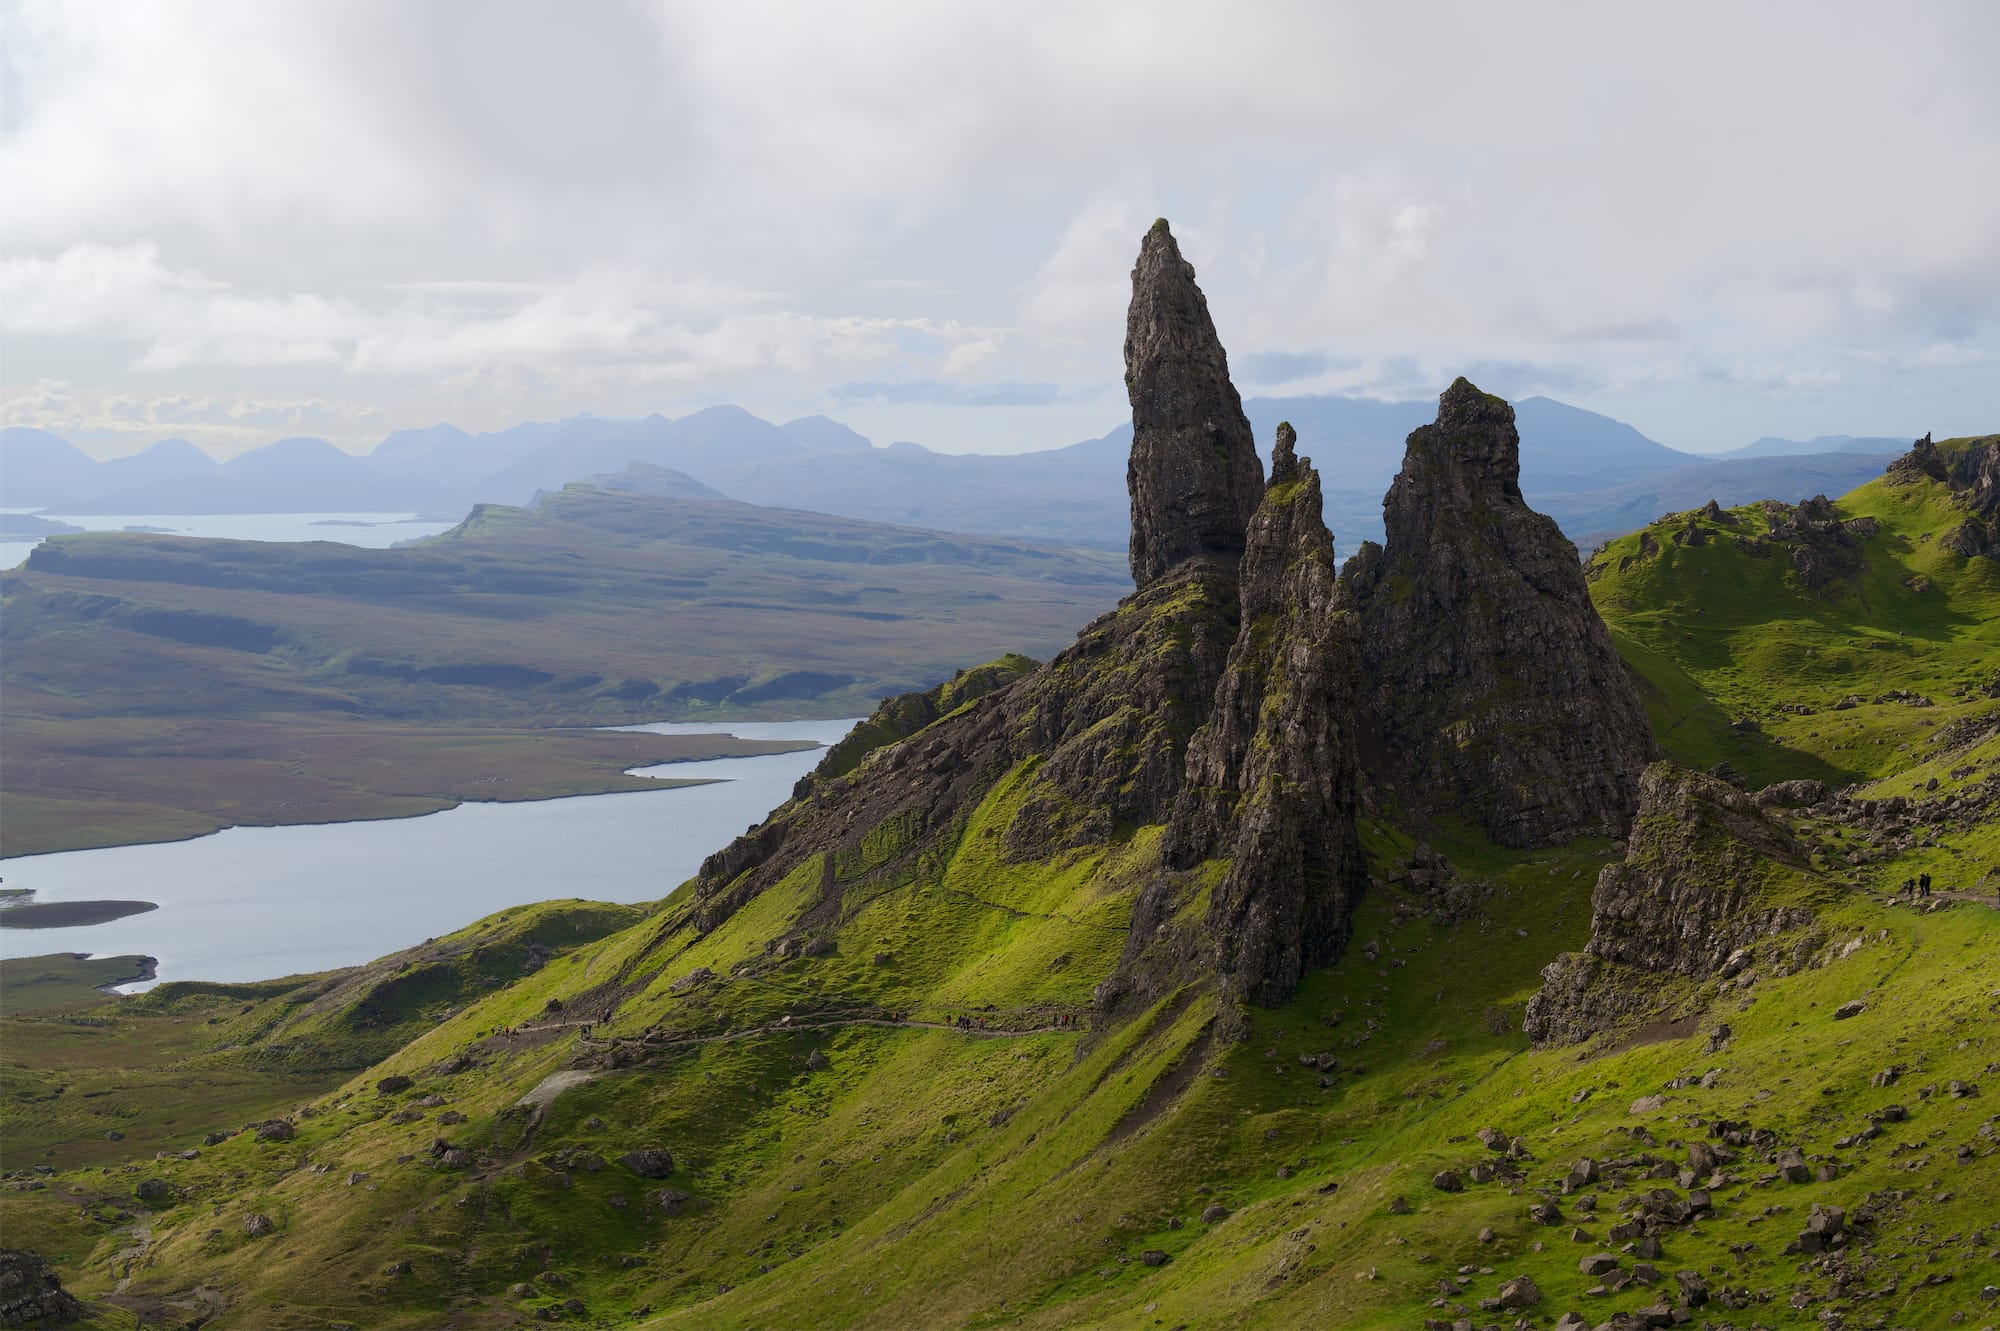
point(69, 914)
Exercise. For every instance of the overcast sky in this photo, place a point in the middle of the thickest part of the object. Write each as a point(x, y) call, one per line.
point(235, 221)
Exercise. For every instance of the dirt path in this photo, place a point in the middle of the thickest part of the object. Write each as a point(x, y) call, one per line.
point(141, 1232)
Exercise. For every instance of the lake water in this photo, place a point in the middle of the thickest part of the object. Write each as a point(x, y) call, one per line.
point(381, 530)
point(253, 903)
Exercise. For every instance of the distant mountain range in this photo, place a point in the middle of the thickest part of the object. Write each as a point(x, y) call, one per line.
point(1595, 475)
point(1771, 447)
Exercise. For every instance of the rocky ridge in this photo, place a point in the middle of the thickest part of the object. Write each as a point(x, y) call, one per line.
point(1271, 778)
point(1106, 723)
point(1710, 874)
point(1493, 690)
point(1224, 699)
point(1972, 470)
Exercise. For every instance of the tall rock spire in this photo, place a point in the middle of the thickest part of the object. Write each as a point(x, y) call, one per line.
point(1194, 475)
point(1271, 781)
point(1491, 681)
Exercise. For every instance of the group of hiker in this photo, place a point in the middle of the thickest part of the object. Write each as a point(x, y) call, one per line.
point(1918, 887)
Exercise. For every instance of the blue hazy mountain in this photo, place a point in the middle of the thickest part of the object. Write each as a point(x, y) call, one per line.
point(1594, 474)
point(37, 468)
point(1770, 446)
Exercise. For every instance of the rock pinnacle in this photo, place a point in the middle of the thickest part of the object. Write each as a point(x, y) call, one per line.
point(1194, 475)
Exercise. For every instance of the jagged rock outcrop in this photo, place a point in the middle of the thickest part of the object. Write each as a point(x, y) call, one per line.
point(1492, 690)
point(1972, 470)
point(905, 714)
point(1107, 720)
point(1270, 781)
point(1194, 475)
point(1708, 872)
point(30, 1292)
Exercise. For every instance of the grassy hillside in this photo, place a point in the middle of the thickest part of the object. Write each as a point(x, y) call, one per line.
point(1748, 662)
point(878, 1113)
point(244, 682)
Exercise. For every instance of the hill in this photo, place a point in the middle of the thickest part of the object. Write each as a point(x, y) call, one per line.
point(1207, 974)
point(245, 682)
point(1596, 476)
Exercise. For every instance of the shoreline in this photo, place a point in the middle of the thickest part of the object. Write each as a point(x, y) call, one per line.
point(651, 784)
point(149, 970)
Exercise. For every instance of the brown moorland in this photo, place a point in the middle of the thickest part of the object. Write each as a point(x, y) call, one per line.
point(161, 687)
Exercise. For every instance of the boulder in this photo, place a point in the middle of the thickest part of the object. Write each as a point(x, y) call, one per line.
point(1520, 1292)
point(648, 1162)
point(257, 1226)
point(1598, 1263)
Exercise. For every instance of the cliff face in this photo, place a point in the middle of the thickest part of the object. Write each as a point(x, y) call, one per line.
point(1194, 474)
point(1218, 700)
point(1492, 686)
point(1708, 872)
point(1271, 777)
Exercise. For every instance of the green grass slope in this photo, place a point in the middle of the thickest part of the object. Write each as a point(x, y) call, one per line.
point(878, 1114)
point(1745, 661)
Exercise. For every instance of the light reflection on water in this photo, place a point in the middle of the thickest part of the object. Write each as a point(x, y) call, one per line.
point(252, 903)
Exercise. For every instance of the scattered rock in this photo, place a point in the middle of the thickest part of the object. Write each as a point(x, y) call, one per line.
point(1852, 1008)
point(649, 1162)
point(1153, 1257)
point(393, 1084)
point(1216, 1211)
point(1598, 1263)
point(275, 1130)
point(1520, 1292)
point(257, 1226)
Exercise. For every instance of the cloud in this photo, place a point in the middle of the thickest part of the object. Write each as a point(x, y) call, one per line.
point(1272, 368)
point(589, 331)
point(939, 392)
point(496, 205)
point(1081, 289)
point(224, 423)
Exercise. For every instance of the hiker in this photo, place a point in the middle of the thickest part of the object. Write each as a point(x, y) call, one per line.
point(1924, 882)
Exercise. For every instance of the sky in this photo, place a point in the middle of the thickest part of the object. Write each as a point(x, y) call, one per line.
point(231, 222)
